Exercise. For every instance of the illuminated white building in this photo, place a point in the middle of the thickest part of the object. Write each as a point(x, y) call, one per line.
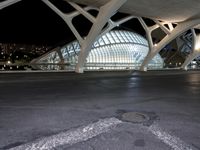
point(115, 50)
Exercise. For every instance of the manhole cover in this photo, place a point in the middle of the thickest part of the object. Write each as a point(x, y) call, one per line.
point(135, 117)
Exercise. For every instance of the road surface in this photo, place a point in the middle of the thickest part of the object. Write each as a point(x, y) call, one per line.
point(84, 112)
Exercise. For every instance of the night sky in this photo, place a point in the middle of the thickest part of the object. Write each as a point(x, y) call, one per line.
point(32, 22)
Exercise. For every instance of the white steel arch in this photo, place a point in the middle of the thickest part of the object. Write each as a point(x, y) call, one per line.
point(171, 34)
point(7, 3)
point(106, 10)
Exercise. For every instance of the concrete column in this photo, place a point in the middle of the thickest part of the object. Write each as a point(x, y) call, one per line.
point(180, 28)
point(105, 12)
point(190, 58)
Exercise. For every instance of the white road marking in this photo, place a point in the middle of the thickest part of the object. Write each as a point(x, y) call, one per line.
point(72, 136)
point(174, 142)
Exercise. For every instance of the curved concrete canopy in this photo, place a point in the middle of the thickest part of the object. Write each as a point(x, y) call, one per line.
point(170, 10)
point(185, 13)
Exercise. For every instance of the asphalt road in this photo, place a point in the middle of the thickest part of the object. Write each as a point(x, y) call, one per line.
point(35, 106)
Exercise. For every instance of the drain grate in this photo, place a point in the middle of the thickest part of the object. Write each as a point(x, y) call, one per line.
point(135, 117)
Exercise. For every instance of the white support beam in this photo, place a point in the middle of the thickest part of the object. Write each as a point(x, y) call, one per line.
point(148, 31)
point(125, 19)
point(67, 18)
point(161, 25)
point(178, 30)
point(76, 13)
point(113, 24)
point(195, 50)
point(83, 12)
point(105, 12)
point(7, 3)
point(194, 40)
point(170, 26)
point(190, 58)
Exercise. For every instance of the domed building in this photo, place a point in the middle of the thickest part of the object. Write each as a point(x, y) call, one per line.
point(115, 50)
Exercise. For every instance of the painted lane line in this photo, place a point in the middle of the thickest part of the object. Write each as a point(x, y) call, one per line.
point(72, 136)
point(174, 142)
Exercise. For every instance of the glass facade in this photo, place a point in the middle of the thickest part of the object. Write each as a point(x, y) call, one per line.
point(116, 50)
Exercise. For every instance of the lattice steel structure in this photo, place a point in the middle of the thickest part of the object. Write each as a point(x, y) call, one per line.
point(115, 50)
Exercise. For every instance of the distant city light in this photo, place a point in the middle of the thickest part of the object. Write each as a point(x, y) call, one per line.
point(9, 62)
